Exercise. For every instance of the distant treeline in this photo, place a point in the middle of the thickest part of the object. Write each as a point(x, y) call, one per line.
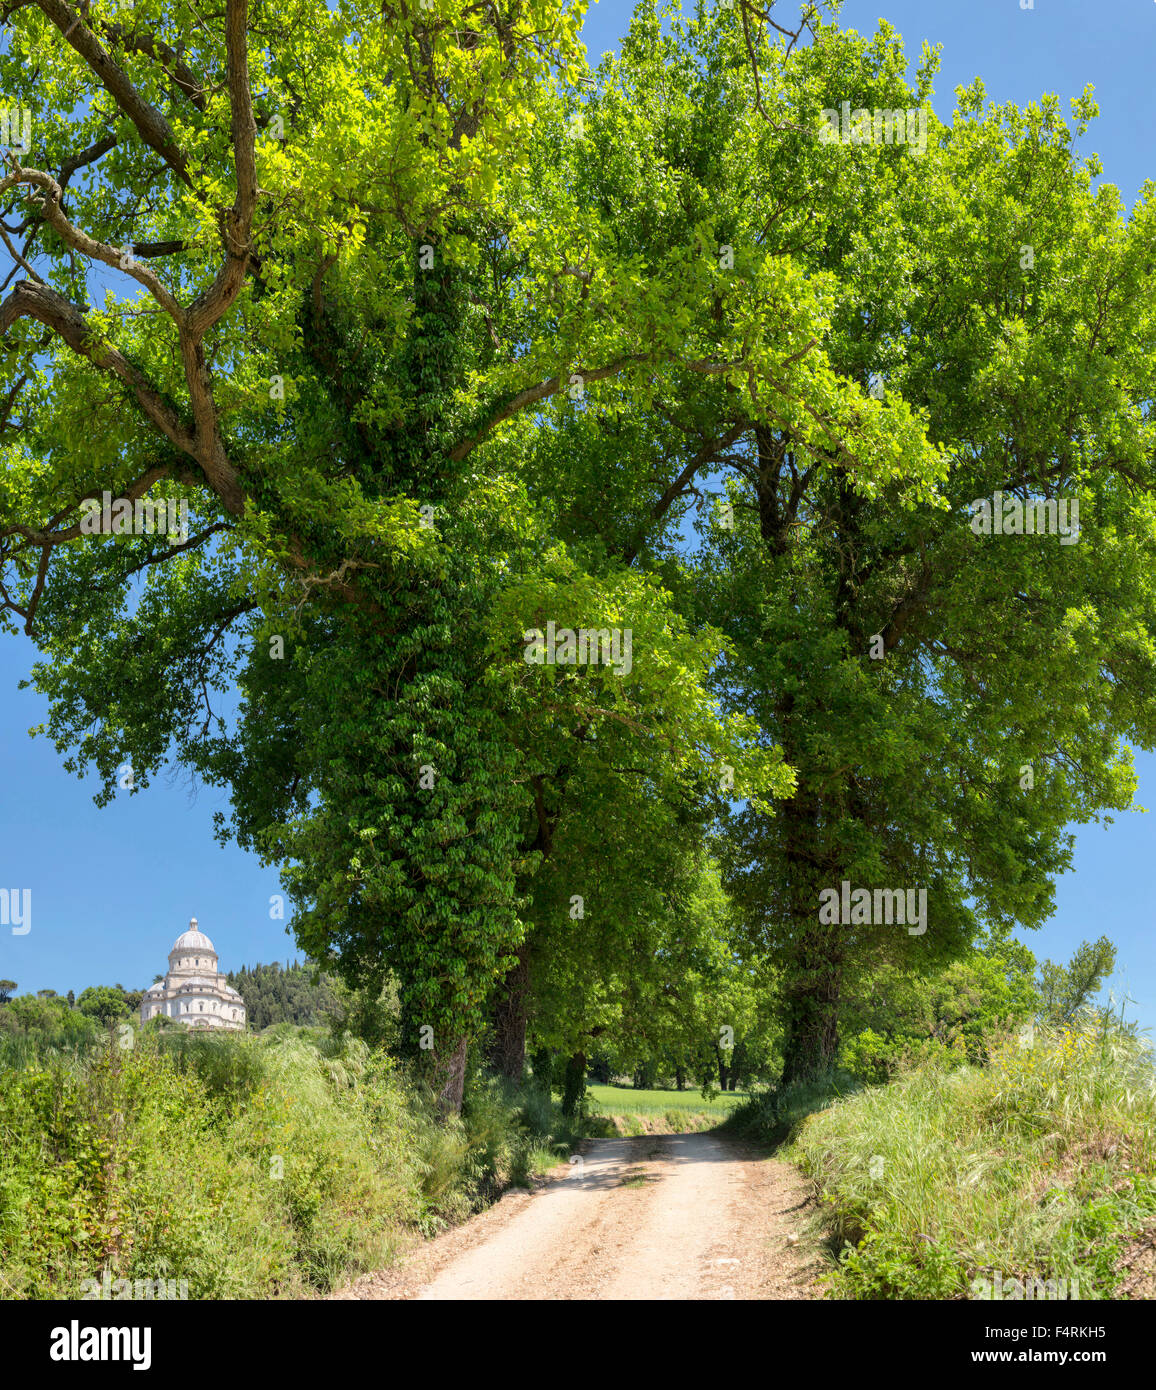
point(284, 994)
point(272, 993)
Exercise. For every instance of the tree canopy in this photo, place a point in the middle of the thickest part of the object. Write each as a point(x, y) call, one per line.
point(439, 338)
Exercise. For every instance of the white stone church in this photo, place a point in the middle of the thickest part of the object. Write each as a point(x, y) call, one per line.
point(194, 991)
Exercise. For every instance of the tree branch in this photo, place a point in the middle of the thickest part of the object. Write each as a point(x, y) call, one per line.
point(208, 308)
point(62, 317)
point(530, 396)
point(154, 130)
point(86, 245)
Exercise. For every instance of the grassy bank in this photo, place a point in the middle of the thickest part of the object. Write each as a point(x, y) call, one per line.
point(250, 1167)
point(957, 1181)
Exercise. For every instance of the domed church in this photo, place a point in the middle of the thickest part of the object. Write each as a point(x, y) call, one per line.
point(194, 991)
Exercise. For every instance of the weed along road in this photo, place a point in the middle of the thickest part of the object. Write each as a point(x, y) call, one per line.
point(657, 1216)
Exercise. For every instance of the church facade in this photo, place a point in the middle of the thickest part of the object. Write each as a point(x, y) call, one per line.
point(194, 990)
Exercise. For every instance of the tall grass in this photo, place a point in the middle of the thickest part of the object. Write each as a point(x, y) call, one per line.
point(1037, 1165)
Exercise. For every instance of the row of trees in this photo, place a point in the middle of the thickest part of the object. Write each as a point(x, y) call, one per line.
point(442, 338)
point(99, 1002)
point(899, 1017)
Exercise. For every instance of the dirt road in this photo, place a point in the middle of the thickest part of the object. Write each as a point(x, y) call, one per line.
point(660, 1216)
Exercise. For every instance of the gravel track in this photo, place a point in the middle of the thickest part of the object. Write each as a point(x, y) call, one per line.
point(658, 1216)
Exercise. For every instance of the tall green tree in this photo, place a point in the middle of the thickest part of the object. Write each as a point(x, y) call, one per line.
point(105, 1003)
point(347, 305)
point(950, 702)
point(1067, 990)
point(439, 347)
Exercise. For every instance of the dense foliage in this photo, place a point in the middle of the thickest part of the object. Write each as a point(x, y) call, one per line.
point(283, 994)
point(451, 346)
point(242, 1167)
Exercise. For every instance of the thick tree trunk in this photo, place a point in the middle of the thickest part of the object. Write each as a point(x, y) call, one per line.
point(452, 1069)
point(543, 1066)
point(722, 1068)
point(575, 1086)
point(812, 1037)
point(813, 968)
point(738, 1062)
point(812, 851)
point(680, 1078)
point(508, 1052)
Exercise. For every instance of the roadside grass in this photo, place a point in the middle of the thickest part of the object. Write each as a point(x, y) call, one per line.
point(1033, 1175)
point(272, 1166)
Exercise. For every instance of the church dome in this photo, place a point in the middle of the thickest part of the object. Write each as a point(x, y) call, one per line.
point(194, 993)
point(192, 940)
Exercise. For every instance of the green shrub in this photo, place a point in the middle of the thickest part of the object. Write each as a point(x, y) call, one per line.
point(875, 1059)
point(249, 1167)
point(773, 1117)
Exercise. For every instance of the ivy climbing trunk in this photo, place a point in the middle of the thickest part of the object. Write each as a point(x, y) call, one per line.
point(542, 1064)
point(508, 1051)
point(574, 1089)
point(452, 1070)
point(813, 970)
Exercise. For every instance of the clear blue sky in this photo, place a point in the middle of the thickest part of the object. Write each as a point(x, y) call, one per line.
point(112, 888)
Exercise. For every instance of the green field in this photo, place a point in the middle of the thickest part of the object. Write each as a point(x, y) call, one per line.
point(625, 1100)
